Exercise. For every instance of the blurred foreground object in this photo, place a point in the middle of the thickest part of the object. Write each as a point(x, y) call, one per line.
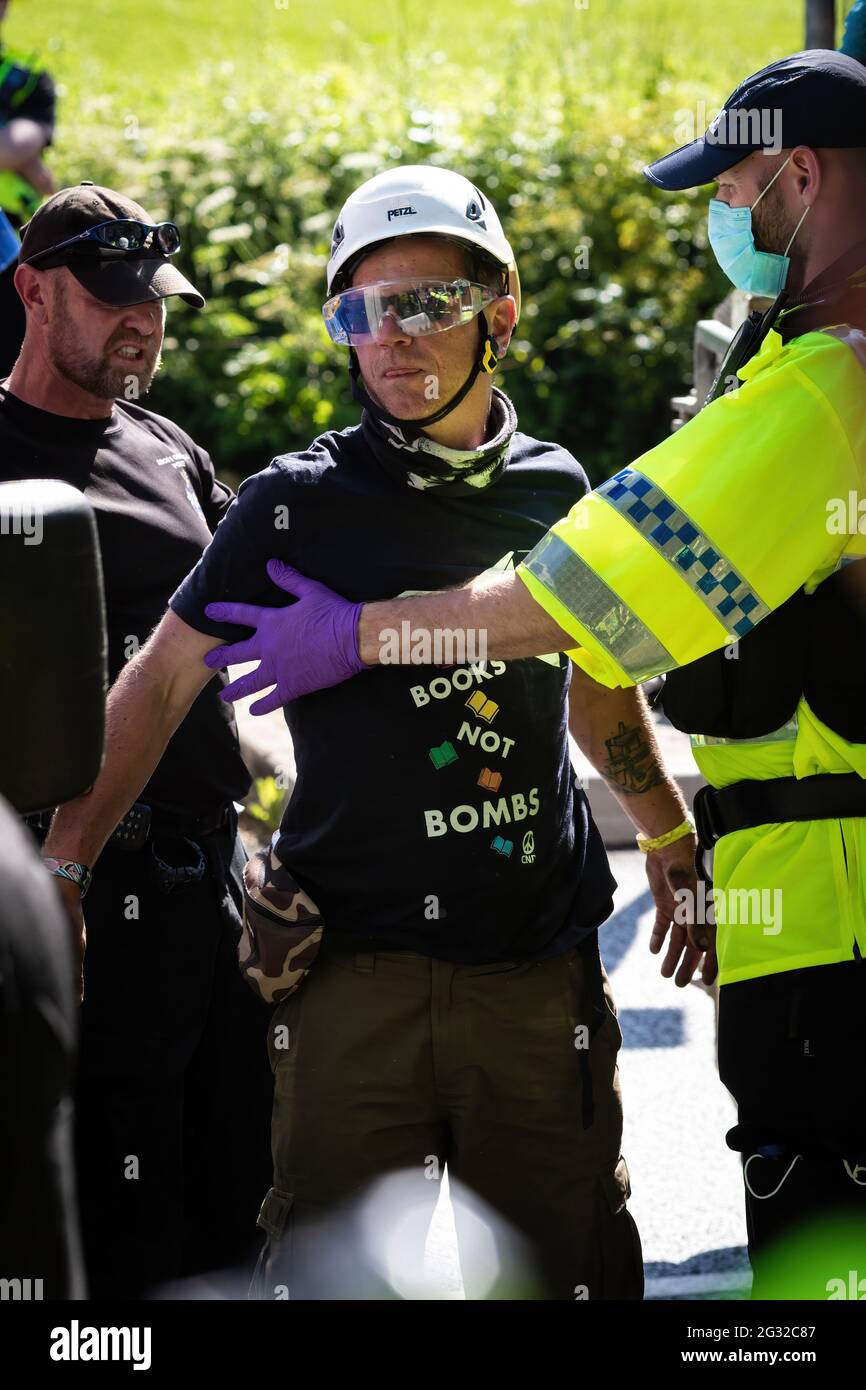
point(52, 645)
point(52, 693)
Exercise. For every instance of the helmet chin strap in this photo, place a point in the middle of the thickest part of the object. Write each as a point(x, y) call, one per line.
point(486, 362)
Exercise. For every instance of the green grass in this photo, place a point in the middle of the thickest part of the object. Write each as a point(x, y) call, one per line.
point(141, 58)
point(249, 123)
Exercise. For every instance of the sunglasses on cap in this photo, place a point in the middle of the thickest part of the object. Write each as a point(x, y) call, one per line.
point(416, 307)
point(122, 234)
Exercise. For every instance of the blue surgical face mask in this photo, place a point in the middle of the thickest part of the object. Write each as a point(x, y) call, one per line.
point(733, 242)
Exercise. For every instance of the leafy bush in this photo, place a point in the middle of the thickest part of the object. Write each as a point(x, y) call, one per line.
point(614, 272)
point(265, 804)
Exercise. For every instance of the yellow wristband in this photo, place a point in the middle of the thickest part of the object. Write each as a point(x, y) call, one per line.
point(679, 832)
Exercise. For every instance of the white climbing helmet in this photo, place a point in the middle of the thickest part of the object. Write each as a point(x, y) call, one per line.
point(417, 199)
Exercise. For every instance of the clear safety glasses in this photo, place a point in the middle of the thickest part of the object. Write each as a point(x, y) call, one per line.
point(415, 307)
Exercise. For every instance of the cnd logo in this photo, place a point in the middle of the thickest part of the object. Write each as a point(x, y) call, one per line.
point(401, 212)
point(528, 848)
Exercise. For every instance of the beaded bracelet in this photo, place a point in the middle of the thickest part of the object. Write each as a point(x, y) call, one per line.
point(679, 832)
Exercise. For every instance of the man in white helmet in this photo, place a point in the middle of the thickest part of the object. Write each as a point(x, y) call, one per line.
point(437, 848)
point(442, 204)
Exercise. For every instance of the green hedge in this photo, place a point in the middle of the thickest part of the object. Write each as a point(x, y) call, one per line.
point(614, 272)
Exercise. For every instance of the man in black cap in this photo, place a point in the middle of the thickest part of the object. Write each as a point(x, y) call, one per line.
point(173, 1102)
point(731, 557)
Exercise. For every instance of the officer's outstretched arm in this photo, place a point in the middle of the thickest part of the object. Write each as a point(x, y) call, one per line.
point(691, 546)
point(497, 606)
point(677, 555)
point(147, 702)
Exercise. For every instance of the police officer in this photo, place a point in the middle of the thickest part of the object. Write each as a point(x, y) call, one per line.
point(731, 556)
point(173, 1097)
point(27, 102)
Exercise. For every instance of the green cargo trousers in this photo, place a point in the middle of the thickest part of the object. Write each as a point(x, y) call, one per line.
point(505, 1072)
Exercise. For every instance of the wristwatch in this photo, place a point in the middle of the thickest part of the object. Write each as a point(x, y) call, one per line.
point(71, 870)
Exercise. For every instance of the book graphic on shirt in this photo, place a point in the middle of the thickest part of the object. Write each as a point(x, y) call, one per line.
point(503, 565)
point(490, 781)
point(502, 846)
point(481, 707)
point(443, 755)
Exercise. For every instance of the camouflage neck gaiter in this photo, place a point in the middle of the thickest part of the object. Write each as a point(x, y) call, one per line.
point(423, 463)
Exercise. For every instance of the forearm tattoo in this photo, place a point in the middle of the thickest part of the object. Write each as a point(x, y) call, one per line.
point(632, 766)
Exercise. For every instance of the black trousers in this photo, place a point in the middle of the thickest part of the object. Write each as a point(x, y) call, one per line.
point(792, 1052)
point(174, 1089)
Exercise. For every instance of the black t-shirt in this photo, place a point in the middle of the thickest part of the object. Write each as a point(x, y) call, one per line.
point(157, 502)
point(435, 810)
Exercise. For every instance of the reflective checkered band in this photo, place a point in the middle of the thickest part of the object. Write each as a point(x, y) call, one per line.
point(597, 608)
point(675, 536)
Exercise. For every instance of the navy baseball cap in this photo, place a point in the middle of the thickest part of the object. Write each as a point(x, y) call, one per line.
point(815, 98)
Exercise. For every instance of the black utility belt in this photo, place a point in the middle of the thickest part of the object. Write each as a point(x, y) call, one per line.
point(743, 805)
point(143, 822)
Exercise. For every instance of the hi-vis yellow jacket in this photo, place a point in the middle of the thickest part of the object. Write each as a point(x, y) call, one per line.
point(684, 552)
point(17, 195)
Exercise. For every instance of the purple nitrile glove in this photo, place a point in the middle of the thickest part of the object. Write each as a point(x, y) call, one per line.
point(306, 646)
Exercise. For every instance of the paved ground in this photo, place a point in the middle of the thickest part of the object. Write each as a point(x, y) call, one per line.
point(687, 1185)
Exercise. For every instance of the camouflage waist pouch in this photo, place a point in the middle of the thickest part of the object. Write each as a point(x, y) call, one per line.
point(282, 928)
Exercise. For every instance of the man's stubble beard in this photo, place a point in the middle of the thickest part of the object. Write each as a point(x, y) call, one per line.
point(90, 373)
point(774, 230)
point(95, 375)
